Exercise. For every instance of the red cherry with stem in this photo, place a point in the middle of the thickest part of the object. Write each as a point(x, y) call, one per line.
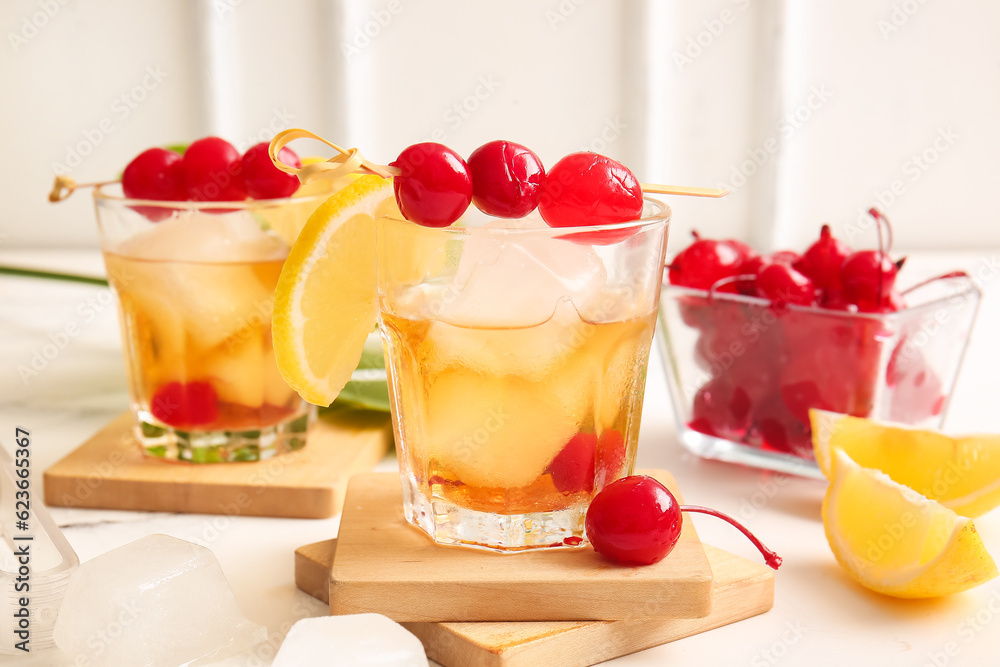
point(185, 404)
point(705, 262)
point(156, 174)
point(434, 186)
point(572, 469)
point(212, 171)
point(782, 284)
point(823, 259)
point(262, 179)
point(585, 189)
point(869, 277)
point(637, 520)
point(507, 179)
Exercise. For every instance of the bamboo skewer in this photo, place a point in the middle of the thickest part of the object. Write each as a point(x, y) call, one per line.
point(683, 190)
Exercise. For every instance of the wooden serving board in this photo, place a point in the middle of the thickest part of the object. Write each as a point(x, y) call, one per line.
point(386, 566)
point(740, 589)
point(110, 471)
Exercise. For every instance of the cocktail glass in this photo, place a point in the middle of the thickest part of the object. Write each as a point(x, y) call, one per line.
point(517, 362)
point(194, 284)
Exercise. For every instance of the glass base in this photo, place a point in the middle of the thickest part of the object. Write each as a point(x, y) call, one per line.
point(711, 447)
point(447, 523)
point(172, 444)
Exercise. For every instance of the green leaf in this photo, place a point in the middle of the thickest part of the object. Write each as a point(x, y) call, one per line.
point(177, 148)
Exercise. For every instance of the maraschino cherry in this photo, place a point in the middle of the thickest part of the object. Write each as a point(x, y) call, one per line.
point(434, 186)
point(507, 179)
point(590, 189)
point(636, 520)
point(704, 263)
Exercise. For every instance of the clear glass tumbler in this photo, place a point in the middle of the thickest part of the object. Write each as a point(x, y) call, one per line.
point(194, 283)
point(517, 362)
point(743, 374)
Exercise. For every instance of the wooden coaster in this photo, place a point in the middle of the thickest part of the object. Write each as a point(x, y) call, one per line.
point(110, 471)
point(386, 566)
point(740, 589)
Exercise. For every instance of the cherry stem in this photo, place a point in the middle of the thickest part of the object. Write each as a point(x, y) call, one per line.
point(875, 213)
point(771, 558)
point(943, 276)
point(722, 282)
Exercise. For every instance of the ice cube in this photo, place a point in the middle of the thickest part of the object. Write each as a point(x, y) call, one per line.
point(360, 640)
point(502, 432)
point(516, 279)
point(202, 237)
point(156, 601)
point(530, 352)
point(236, 370)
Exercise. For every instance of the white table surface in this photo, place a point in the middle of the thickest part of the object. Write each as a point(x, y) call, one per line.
point(820, 616)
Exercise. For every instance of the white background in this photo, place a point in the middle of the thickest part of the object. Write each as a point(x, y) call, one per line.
point(809, 111)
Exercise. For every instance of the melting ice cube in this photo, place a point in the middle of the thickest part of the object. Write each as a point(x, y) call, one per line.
point(360, 640)
point(201, 237)
point(516, 279)
point(156, 601)
point(207, 272)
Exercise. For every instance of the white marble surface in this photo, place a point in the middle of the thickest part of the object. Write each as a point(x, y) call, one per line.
point(819, 618)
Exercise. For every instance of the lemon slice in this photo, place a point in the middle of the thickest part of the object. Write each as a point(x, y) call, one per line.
point(325, 302)
point(962, 473)
point(897, 542)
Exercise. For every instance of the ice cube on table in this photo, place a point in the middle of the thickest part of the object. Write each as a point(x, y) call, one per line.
point(359, 640)
point(156, 601)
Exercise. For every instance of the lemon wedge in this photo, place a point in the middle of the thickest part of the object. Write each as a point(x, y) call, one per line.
point(962, 473)
point(325, 303)
point(894, 541)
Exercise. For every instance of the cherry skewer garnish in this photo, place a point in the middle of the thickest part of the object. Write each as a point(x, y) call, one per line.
point(432, 183)
point(637, 520)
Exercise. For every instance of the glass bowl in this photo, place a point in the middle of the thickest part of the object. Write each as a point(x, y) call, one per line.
point(743, 372)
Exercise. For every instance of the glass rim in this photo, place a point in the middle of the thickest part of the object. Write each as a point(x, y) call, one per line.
point(662, 213)
point(969, 288)
point(102, 196)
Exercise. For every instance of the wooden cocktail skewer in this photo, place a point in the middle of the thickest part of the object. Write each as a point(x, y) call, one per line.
point(64, 186)
point(682, 190)
point(349, 161)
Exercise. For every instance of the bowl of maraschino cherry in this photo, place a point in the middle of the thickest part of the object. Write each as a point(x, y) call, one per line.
point(753, 341)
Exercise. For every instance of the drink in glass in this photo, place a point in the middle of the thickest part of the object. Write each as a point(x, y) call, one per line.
point(194, 283)
point(517, 360)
